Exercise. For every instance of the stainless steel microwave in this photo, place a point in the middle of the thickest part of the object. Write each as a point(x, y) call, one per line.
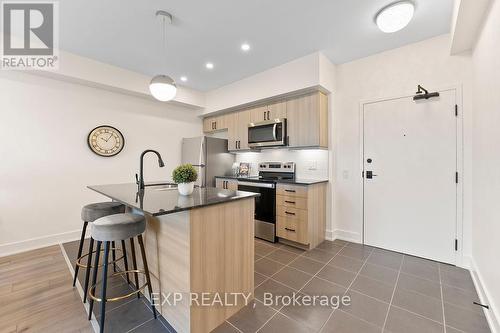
point(267, 133)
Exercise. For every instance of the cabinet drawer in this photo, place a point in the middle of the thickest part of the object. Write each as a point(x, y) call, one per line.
point(291, 190)
point(292, 229)
point(290, 201)
point(292, 213)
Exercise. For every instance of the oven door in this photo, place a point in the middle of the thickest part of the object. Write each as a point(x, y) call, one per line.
point(265, 208)
point(267, 134)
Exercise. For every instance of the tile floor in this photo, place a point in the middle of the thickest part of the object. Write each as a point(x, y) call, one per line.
point(389, 292)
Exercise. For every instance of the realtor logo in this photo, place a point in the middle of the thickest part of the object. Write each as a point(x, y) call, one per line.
point(29, 35)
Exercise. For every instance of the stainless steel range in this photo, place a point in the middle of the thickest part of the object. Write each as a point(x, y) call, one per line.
point(265, 205)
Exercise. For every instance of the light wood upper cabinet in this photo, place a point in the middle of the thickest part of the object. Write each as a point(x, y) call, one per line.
point(258, 114)
point(215, 124)
point(268, 112)
point(276, 111)
point(307, 121)
point(237, 133)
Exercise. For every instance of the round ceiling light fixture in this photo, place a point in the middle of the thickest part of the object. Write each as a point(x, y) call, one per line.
point(395, 17)
point(245, 47)
point(163, 87)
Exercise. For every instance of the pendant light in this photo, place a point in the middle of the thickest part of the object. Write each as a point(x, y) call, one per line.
point(163, 87)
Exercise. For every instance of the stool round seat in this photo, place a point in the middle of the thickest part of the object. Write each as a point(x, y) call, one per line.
point(94, 211)
point(118, 227)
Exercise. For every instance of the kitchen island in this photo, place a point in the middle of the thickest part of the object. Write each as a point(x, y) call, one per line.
point(200, 250)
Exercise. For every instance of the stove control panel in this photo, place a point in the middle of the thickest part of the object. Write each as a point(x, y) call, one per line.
point(288, 167)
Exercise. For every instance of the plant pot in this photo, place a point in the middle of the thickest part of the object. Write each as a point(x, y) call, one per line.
point(185, 188)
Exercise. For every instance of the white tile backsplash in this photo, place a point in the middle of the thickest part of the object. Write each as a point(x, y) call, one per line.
point(310, 163)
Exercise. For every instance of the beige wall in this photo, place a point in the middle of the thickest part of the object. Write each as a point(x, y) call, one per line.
point(486, 159)
point(393, 73)
point(46, 164)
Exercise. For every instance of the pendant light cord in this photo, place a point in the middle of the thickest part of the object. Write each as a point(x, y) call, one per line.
point(165, 43)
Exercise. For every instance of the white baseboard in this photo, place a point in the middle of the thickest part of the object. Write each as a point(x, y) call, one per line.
point(492, 314)
point(39, 242)
point(329, 235)
point(349, 236)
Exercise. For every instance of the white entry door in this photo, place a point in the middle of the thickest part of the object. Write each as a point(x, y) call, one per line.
point(410, 202)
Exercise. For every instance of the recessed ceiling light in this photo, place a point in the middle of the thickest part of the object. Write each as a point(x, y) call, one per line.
point(395, 17)
point(209, 65)
point(245, 47)
point(184, 79)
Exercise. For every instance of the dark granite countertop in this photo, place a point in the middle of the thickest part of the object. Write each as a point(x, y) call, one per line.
point(297, 181)
point(164, 199)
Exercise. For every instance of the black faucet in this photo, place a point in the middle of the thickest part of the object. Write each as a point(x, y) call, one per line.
point(140, 180)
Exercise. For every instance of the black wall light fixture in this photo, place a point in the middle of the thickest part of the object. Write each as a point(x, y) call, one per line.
point(423, 93)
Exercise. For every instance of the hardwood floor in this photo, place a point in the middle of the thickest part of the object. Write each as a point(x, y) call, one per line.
point(37, 295)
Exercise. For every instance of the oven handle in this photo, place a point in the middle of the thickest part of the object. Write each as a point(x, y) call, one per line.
point(264, 185)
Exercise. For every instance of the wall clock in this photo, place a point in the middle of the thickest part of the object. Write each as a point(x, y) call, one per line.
point(106, 141)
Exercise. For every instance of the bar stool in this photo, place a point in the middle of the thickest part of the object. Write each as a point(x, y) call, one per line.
point(89, 214)
point(118, 227)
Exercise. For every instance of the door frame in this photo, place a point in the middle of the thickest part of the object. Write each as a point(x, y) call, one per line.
point(459, 259)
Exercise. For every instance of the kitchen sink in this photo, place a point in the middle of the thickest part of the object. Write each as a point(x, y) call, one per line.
point(163, 186)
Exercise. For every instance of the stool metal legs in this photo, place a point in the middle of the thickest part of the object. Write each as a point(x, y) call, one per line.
point(103, 287)
point(114, 255)
point(148, 279)
point(104, 280)
point(87, 272)
point(125, 261)
point(80, 247)
point(134, 263)
point(94, 274)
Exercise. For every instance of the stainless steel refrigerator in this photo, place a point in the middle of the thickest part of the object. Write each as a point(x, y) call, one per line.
point(209, 156)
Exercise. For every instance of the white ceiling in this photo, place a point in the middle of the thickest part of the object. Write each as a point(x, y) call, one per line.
point(126, 33)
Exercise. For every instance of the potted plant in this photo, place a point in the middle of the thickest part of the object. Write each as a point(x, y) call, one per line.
point(184, 176)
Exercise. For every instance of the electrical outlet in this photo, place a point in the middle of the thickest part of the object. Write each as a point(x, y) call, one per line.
point(312, 165)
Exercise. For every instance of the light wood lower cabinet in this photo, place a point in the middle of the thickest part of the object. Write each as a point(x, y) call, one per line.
point(301, 213)
point(226, 183)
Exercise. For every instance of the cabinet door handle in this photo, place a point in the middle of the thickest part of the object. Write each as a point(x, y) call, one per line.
point(289, 213)
point(290, 202)
point(264, 115)
point(268, 116)
point(291, 191)
point(288, 229)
